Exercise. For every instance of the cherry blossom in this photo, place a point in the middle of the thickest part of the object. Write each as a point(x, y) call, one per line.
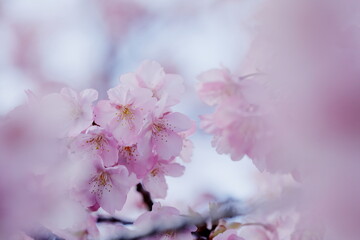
point(216, 85)
point(166, 88)
point(163, 216)
point(136, 161)
point(96, 141)
point(228, 235)
point(69, 111)
point(125, 111)
point(155, 182)
point(105, 187)
point(240, 124)
point(164, 134)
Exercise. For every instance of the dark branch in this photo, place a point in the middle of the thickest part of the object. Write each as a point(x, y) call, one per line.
point(43, 234)
point(146, 196)
point(226, 210)
point(109, 219)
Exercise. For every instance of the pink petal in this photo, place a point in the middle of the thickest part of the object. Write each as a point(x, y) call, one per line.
point(167, 144)
point(173, 169)
point(104, 113)
point(151, 73)
point(110, 153)
point(187, 150)
point(173, 88)
point(127, 131)
point(113, 199)
point(143, 100)
point(178, 122)
point(156, 185)
point(88, 95)
point(129, 79)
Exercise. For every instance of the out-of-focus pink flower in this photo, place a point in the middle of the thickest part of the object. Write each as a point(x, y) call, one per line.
point(188, 146)
point(105, 187)
point(73, 223)
point(166, 88)
point(125, 112)
point(228, 235)
point(239, 123)
point(163, 217)
point(155, 182)
point(69, 112)
point(96, 141)
point(216, 85)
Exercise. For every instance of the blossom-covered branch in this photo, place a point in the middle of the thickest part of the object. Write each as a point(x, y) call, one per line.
point(86, 156)
point(196, 223)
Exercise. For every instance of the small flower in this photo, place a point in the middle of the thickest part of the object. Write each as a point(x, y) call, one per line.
point(136, 161)
point(99, 142)
point(166, 88)
point(125, 112)
point(155, 182)
point(161, 217)
point(105, 187)
point(69, 112)
point(164, 134)
point(216, 85)
point(228, 235)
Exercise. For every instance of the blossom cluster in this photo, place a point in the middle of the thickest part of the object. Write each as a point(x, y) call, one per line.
point(293, 107)
point(241, 123)
point(83, 155)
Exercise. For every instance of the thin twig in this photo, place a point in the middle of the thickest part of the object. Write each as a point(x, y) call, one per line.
point(225, 211)
point(146, 196)
point(43, 233)
point(109, 219)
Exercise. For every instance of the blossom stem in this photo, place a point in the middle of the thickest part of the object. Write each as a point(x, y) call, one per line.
point(226, 211)
point(110, 219)
point(146, 196)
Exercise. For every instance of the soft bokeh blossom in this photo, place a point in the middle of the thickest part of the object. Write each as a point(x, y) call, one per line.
point(73, 112)
point(163, 216)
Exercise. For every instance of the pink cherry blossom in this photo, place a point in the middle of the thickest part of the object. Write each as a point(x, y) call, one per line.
point(72, 222)
point(155, 182)
point(164, 134)
point(96, 141)
point(69, 111)
point(240, 122)
point(136, 161)
point(73, 160)
point(216, 85)
point(163, 217)
point(125, 111)
point(105, 187)
point(228, 235)
point(166, 88)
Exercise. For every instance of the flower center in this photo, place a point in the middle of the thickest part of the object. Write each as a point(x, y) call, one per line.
point(100, 183)
point(103, 179)
point(98, 141)
point(157, 127)
point(128, 149)
point(154, 172)
point(125, 113)
point(169, 235)
point(129, 153)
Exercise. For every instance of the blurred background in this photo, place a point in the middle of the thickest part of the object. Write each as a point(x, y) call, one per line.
point(48, 44)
